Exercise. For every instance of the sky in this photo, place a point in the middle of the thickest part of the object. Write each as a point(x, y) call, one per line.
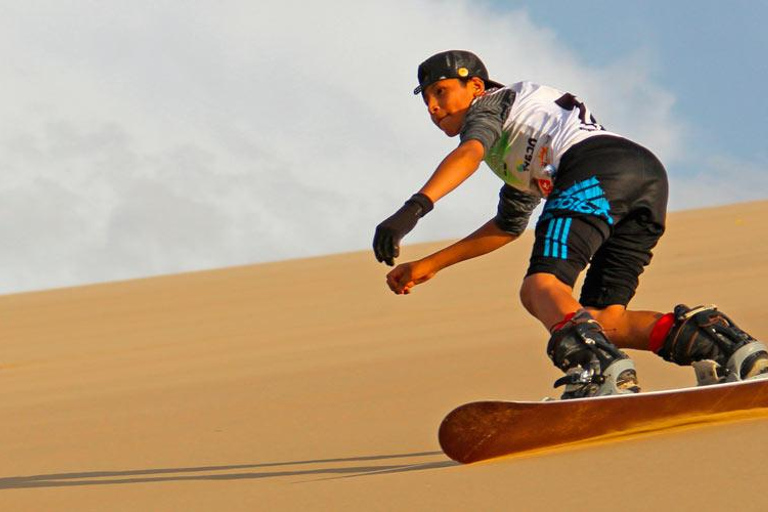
point(167, 136)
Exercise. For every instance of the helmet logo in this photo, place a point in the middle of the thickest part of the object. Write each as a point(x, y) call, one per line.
point(463, 72)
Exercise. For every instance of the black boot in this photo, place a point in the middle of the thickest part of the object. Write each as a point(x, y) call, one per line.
point(593, 366)
point(719, 351)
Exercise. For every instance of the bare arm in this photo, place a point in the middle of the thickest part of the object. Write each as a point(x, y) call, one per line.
point(459, 165)
point(487, 238)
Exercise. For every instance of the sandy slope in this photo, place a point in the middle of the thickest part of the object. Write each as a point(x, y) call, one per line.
point(307, 385)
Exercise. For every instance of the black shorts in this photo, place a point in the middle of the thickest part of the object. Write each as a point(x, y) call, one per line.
point(608, 208)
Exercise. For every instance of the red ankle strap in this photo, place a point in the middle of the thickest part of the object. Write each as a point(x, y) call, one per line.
point(659, 333)
point(559, 325)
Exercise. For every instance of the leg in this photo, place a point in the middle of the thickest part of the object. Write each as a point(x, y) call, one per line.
point(627, 329)
point(701, 337)
point(578, 345)
point(601, 183)
point(550, 300)
point(547, 298)
point(614, 276)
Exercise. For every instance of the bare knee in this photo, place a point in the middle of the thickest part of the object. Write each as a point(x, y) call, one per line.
point(532, 287)
point(544, 294)
point(527, 292)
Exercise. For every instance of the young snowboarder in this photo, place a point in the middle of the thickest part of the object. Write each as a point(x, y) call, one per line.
point(606, 200)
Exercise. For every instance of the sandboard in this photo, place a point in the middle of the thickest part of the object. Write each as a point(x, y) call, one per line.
point(483, 430)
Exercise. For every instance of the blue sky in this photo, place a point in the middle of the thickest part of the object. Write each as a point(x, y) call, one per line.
point(164, 136)
point(710, 54)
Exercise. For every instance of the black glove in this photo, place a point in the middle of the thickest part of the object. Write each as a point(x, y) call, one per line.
point(386, 241)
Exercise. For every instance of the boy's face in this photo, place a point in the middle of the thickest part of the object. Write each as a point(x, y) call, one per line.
point(448, 101)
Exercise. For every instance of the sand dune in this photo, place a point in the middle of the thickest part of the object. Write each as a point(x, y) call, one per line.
point(306, 385)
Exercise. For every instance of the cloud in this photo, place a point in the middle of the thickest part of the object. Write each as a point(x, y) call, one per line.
point(164, 136)
point(718, 180)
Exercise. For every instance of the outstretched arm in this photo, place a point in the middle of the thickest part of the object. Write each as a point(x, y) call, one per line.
point(486, 239)
point(459, 165)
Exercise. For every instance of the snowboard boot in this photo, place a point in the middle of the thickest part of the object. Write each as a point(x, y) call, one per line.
point(593, 365)
point(718, 350)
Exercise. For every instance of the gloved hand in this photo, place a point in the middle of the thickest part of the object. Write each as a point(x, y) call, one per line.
point(386, 241)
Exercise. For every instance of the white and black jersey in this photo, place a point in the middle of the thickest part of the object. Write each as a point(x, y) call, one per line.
point(525, 129)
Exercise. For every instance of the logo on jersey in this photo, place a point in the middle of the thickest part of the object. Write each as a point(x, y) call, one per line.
point(545, 185)
point(522, 165)
point(498, 153)
point(545, 156)
point(586, 197)
point(546, 175)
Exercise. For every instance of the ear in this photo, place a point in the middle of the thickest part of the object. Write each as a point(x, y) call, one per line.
point(477, 85)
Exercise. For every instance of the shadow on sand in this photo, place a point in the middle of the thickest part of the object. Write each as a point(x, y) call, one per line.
point(338, 469)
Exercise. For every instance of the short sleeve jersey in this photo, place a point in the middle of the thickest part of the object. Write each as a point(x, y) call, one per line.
point(525, 129)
